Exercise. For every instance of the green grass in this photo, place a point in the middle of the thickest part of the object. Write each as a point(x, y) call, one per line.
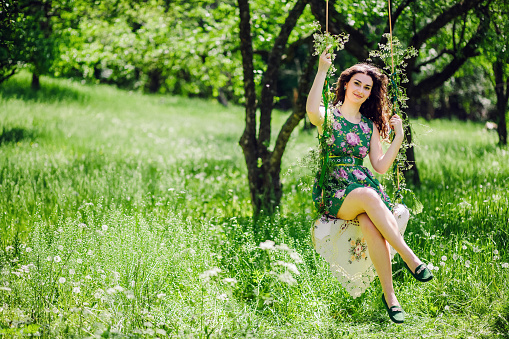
point(126, 215)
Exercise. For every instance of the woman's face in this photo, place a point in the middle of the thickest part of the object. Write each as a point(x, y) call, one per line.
point(358, 88)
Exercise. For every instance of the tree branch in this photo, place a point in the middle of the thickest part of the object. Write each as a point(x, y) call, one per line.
point(358, 45)
point(437, 79)
point(424, 63)
point(440, 21)
point(270, 76)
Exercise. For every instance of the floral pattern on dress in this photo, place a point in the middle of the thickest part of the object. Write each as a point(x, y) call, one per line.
point(358, 248)
point(347, 139)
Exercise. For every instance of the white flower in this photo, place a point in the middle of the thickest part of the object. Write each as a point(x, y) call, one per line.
point(5, 288)
point(267, 245)
point(446, 308)
point(464, 247)
point(455, 256)
point(9, 248)
point(161, 295)
point(283, 247)
point(57, 258)
point(119, 288)
point(287, 278)
point(442, 263)
point(444, 258)
point(111, 290)
point(61, 280)
point(29, 249)
point(72, 272)
point(148, 324)
point(90, 252)
point(161, 331)
point(210, 273)
point(289, 266)
point(231, 281)
point(222, 297)
point(79, 261)
point(60, 229)
point(88, 277)
point(129, 294)
point(432, 253)
point(496, 257)
point(60, 247)
point(476, 250)
point(76, 289)
point(436, 268)
point(104, 227)
point(430, 266)
point(505, 265)
point(467, 263)
point(495, 252)
point(296, 257)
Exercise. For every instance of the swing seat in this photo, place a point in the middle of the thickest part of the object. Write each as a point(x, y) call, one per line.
point(342, 244)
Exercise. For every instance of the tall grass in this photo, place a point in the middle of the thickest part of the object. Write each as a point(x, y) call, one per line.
point(126, 215)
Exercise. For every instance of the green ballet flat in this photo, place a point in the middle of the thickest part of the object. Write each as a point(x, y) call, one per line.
point(422, 273)
point(395, 312)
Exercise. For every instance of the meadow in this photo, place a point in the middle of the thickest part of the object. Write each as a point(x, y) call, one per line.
point(125, 215)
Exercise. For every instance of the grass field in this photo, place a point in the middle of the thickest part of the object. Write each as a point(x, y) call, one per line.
point(124, 215)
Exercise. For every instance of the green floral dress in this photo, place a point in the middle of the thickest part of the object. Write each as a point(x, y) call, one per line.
point(349, 143)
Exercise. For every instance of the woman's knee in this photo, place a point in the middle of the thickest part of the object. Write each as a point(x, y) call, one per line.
point(368, 196)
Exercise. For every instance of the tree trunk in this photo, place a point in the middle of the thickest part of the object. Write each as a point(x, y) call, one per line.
point(36, 84)
point(412, 174)
point(502, 91)
point(263, 165)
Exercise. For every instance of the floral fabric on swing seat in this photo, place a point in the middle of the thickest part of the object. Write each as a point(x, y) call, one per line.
point(342, 245)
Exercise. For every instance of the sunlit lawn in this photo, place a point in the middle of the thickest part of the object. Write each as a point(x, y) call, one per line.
point(127, 215)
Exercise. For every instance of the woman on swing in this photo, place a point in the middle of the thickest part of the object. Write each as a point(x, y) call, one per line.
point(359, 121)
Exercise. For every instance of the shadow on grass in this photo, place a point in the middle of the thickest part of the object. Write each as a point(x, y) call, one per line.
point(14, 134)
point(19, 88)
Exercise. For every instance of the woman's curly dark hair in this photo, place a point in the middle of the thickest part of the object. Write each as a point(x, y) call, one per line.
point(376, 107)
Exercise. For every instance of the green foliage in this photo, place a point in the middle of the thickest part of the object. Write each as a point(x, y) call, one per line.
point(148, 222)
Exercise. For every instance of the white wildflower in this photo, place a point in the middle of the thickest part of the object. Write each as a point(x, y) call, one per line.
point(98, 294)
point(446, 308)
point(455, 256)
point(442, 263)
point(476, 249)
point(148, 324)
point(444, 258)
point(467, 263)
point(287, 278)
point(289, 266)
point(79, 261)
point(104, 227)
point(129, 294)
point(60, 229)
point(90, 252)
point(60, 247)
point(161, 295)
point(495, 252)
point(5, 288)
point(119, 288)
point(111, 290)
point(210, 273)
point(72, 272)
point(505, 265)
point(464, 247)
point(9, 248)
point(436, 268)
point(88, 277)
point(283, 247)
point(28, 249)
point(296, 257)
point(430, 266)
point(76, 289)
point(57, 258)
point(231, 281)
point(61, 280)
point(161, 331)
point(222, 297)
point(267, 245)
point(496, 257)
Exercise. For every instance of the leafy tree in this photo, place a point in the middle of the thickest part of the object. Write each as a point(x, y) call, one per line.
point(9, 39)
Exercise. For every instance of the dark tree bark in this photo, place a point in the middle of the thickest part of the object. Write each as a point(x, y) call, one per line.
point(502, 91)
point(263, 165)
point(36, 84)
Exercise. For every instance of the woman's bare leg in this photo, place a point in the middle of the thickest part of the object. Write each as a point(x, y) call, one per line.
point(380, 256)
point(367, 200)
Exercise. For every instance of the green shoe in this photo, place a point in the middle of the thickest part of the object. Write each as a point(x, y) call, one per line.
point(422, 273)
point(395, 312)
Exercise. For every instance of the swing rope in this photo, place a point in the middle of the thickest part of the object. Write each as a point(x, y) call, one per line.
point(325, 97)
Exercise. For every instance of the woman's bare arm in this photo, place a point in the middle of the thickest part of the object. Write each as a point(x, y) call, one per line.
point(382, 162)
point(316, 113)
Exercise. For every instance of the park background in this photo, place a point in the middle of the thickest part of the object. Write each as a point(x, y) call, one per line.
point(129, 209)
